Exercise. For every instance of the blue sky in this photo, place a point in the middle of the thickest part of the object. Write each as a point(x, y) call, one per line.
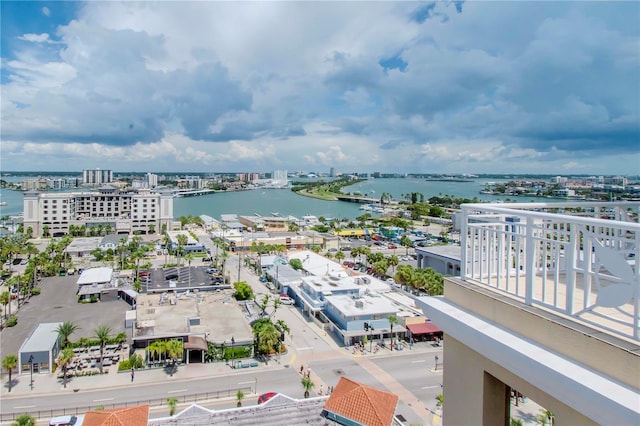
point(444, 87)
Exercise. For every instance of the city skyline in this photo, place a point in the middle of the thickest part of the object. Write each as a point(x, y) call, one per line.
point(394, 87)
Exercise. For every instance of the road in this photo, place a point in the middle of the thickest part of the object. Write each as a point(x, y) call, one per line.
point(284, 380)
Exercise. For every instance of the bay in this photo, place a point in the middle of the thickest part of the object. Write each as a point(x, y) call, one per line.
point(284, 202)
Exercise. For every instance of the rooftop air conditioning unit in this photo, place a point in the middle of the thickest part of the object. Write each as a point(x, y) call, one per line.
point(359, 304)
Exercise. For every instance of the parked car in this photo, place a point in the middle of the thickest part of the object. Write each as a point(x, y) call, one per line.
point(207, 259)
point(63, 421)
point(265, 397)
point(286, 300)
point(171, 277)
point(212, 270)
point(270, 285)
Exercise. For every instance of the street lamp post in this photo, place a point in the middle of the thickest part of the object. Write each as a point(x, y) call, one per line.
point(437, 362)
point(371, 329)
point(31, 368)
point(240, 255)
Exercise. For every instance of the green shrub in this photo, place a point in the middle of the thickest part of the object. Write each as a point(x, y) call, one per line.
point(12, 321)
point(243, 291)
point(36, 291)
point(135, 361)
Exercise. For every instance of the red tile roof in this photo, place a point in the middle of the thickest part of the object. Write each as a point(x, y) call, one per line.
point(127, 416)
point(363, 404)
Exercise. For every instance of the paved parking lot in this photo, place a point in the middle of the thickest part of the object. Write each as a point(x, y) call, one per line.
point(57, 303)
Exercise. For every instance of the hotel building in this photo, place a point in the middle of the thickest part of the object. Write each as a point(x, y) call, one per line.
point(122, 212)
point(547, 306)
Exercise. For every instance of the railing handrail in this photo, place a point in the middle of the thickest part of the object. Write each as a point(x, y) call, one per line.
point(522, 209)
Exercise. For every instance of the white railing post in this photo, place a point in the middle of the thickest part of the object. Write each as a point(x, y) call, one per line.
point(463, 243)
point(529, 260)
point(570, 271)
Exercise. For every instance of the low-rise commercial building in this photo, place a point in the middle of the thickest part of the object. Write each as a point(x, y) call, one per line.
point(39, 351)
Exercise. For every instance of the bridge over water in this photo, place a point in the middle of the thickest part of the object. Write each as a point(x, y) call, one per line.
point(357, 199)
point(191, 192)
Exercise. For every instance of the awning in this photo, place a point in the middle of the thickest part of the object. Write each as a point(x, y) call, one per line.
point(423, 328)
point(196, 342)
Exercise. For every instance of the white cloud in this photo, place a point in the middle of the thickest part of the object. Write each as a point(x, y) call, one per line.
point(35, 38)
point(226, 86)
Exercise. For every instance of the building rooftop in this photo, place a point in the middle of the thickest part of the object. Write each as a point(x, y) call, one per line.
point(127, 416)
point(361, 404)
point(83, 244)
point(317, 265)
point(42, 338)
point(279, 410)
point(168, 314)
point(450, 251)
point(370, 305)
point(327, 284)
point(95, 276)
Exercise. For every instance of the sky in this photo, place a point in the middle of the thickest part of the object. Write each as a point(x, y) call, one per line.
point(407, 87)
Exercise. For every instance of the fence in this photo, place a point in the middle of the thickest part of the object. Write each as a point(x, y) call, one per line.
point(44, 414)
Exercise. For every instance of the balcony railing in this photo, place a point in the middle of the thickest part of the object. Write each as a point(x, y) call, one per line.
point(578, 259)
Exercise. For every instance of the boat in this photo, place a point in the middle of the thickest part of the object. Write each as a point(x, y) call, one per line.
point(3, 203)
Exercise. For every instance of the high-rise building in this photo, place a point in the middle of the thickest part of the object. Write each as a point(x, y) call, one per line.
point(96, 177)
point(121, 212)
point(152, 180)
point(280, 177)
point(546, 307)
point(332, 172)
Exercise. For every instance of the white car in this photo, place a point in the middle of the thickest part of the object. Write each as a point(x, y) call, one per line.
point(286, 300)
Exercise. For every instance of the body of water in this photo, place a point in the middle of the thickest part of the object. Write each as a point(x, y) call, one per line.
point(265, 202)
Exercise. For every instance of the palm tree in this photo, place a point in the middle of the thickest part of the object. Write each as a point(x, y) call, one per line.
point(64, 358)
point(103, 334)
point(189, 258)
point(65, 330)
point(175, 351)
point(182, 241)
point(172, 402)
point(268, 336)
point(393, 261)
point(307, 385)
point(9, 362)
point(157, 349)
point(5, 299)
point(24, 420)
point(549, 415)
point(340, 255)
point(392, 321)
point(515, 422)
point(239, 397)
point(406, 242)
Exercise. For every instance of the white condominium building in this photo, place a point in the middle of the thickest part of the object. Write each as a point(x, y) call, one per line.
point(121, 212)
point(97, 177)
